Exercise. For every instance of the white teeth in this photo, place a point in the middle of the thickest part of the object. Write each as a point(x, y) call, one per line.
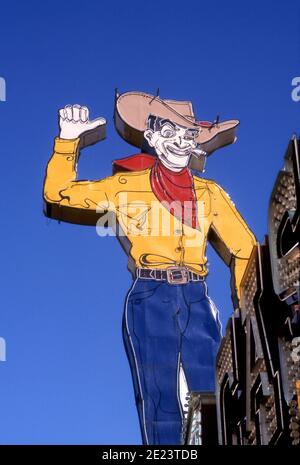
point(178, 151)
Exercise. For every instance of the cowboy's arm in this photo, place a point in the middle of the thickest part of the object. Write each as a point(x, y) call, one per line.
point(65, 198)
point(230, 235)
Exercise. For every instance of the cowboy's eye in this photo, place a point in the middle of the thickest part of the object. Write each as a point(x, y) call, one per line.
point(191, 135)
point(166, 131)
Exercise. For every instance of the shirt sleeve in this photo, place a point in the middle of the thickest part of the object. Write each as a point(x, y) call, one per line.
point(72, 200)
point(230, 235)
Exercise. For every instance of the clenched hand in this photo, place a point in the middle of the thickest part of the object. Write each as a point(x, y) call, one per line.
point(74, 122)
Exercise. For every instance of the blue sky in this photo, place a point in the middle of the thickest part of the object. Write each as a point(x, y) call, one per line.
point(66, 378)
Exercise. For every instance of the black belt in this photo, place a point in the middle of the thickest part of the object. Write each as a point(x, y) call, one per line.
point(172, 274)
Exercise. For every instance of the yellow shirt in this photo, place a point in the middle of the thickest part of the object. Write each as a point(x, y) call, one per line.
point(154, 238)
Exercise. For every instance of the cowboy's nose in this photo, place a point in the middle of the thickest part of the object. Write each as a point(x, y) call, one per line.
point(180, 141)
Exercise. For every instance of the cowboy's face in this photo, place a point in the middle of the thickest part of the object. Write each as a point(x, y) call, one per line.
point(173, 143)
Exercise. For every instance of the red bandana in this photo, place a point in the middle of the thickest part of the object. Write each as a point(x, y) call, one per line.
point(174, 189)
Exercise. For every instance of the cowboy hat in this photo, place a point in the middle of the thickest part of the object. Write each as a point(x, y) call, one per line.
point(132, 110)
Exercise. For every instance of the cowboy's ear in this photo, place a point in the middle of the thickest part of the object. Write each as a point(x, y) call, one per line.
point(148, 136)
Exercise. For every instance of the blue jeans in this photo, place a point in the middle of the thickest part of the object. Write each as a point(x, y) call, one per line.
point(165, 327)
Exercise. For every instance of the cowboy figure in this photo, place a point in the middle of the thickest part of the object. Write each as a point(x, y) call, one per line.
point(164, 215)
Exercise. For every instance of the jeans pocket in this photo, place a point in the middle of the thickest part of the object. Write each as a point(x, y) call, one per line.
point(143, 290)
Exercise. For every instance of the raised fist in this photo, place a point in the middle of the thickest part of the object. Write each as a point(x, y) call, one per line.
point(74, 122)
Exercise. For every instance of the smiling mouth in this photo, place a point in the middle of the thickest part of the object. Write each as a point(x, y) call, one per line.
point(177, 151)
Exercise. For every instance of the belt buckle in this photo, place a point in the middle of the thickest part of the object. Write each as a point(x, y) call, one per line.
point(177, 275)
